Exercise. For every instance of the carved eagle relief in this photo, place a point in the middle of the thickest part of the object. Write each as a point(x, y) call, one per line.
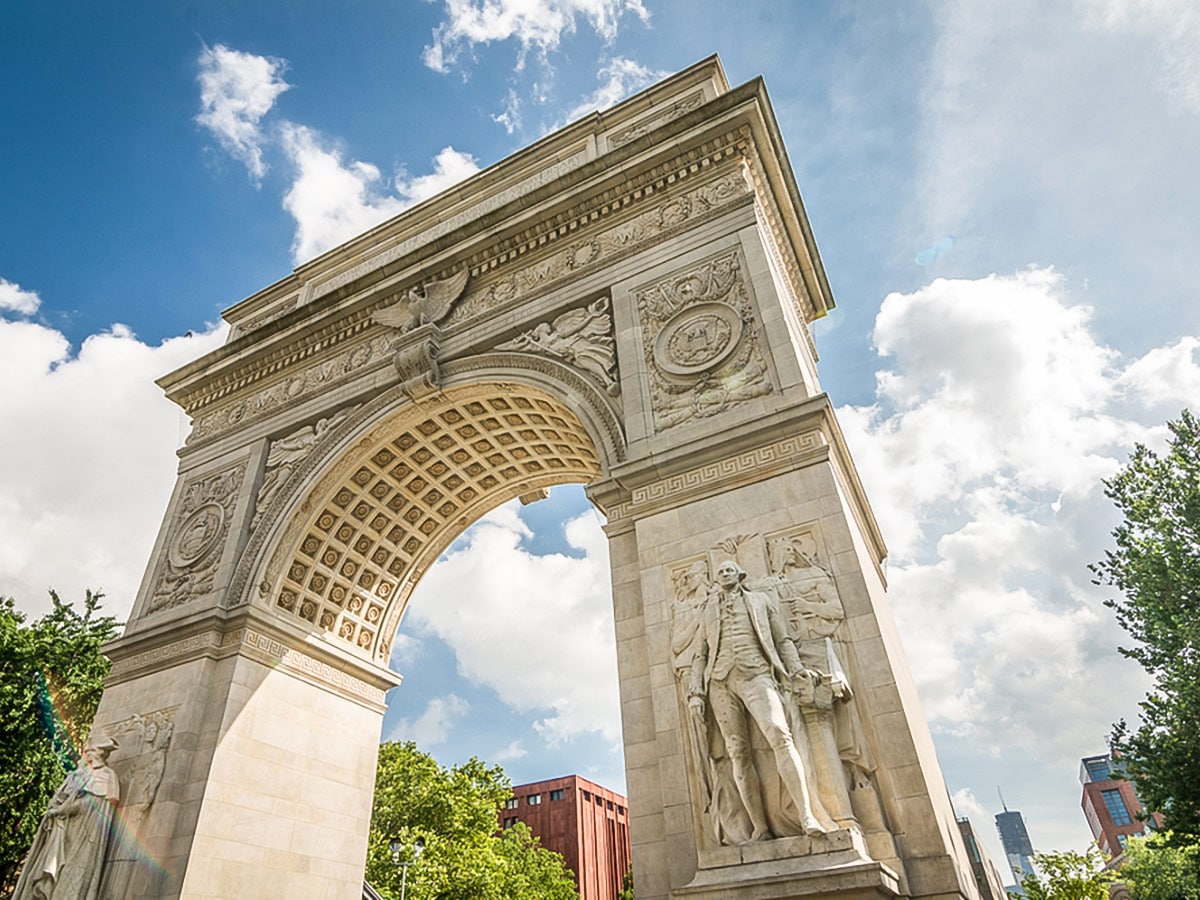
point(424, 304)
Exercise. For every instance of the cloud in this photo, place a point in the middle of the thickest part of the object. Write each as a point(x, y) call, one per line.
point(998, 414)
point(1166, 377)
point(1172, 30)
point(87, 459)
point(433, 726)
point(515, 750)
point(16, 299)
point(510, 115)
point(449, 168)
point(236, 91)
point(536, 629)
point(1043, 126)
point(534, 24)
point(965, 804)
point(620, 78)
point(333, 200)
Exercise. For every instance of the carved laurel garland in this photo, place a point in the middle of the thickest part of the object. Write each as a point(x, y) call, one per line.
point(701, 342)
point(196, 541)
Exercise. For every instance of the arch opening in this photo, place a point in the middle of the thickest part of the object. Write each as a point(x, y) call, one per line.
point(395, 495)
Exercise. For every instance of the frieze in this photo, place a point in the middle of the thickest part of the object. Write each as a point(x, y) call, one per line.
point(489, 295)
point(163, 656)
point(300, 663)
point(781, 266)
point(701, 342)
point(429, 235)
point(265, 648)
point(196, 542)
point(318, 377)
point(585, 254)
point(645, 126)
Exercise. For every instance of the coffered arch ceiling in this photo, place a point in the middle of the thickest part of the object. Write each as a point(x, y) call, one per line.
point(359, 540)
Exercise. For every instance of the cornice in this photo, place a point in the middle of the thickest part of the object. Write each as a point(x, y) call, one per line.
point(524, 248)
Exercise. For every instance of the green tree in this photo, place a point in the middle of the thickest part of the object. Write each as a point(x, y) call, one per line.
point(1162, 867)
point(1156, 567)
point(1068, 876)
point(454, 810)
point(51, 674)
point(627, 885)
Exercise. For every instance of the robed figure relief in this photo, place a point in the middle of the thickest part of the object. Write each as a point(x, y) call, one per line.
point(67, 857)
point(770, 716)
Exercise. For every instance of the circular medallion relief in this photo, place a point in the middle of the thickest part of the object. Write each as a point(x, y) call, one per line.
point(197, 535)
point(698, 338)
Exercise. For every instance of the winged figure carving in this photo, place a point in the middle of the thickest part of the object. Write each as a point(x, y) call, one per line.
point(423, 304)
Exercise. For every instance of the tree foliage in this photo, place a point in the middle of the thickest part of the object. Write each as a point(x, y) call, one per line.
point(1156, 567)
point(51, 674)
point(454, 810)
point(1068, 876)
point(1162, 867)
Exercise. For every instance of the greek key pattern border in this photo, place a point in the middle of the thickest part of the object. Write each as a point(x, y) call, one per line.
point(262, 647)
point(710, 477)
point(300, 663)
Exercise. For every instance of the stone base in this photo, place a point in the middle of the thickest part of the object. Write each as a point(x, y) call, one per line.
point(830, 865)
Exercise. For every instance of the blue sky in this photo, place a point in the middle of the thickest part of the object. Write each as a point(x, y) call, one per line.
point(1004, 197)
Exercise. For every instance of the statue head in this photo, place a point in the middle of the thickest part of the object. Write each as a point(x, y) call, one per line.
point(96, 752)
point(730, 574)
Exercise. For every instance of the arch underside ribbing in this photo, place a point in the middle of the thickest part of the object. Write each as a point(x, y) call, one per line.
point(365, 533)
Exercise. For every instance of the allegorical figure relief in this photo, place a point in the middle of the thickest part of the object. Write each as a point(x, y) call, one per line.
point(581, 337)
point(815, 615)
point(67, 857)
point(745, 674)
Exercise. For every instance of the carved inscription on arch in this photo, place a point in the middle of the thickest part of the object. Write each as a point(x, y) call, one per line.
point(701, 342)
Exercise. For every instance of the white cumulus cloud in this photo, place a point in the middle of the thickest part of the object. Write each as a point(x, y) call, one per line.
point(535, 24)
point(998, 415)
point(86, 459)
point(15, 298)
point(236, 91)
point(619, 78)
point(433, 726)
point(332, 199)
point(494, 602)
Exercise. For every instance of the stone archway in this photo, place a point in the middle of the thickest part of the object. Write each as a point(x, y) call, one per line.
point(624, 304)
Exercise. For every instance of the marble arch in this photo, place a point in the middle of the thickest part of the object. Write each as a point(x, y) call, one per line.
point(624, 304)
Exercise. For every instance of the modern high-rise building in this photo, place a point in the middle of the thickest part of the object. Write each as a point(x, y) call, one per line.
point(1017, 846)
point(586, 823)
point(1111, 804)
point(987, 879)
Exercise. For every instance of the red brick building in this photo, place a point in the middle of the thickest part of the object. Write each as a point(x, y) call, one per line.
point(1111, 806)
point(586, 823)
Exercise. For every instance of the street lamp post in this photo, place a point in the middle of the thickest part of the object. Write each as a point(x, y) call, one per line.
point(397, 846)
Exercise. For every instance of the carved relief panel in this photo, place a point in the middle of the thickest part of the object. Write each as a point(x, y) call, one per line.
point(196, 538)
point(579, 337)
point(766, 683)
point(701, 342)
